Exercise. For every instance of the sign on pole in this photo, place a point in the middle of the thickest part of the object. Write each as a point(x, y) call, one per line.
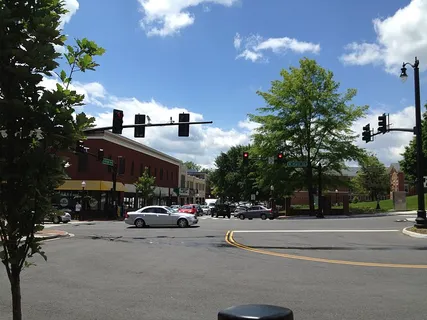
point(297, 164)
point(271, 160)
point(108, 162)
point(252, 197)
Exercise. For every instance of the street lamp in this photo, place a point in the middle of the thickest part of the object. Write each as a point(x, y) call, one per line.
point(271, 194)
point(83, 200)
point(420, 221)
point(336, 197)
point(83, 185)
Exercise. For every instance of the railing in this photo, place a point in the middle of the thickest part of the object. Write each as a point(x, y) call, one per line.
point(256, 312)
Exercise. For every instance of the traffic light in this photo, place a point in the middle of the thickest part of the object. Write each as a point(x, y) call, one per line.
point(139, 131)
point(382, 123)
point(245, 158)
point(100, 154)
point(366, 135)
point(80, 148)
point(280, 157)
point(184, 129)
point(117, 121)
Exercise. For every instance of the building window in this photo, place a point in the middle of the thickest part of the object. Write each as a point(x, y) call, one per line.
point(155, 172)
point(161, 174)
point(122, 165)
point(132, 169)
point(141, 170)
point(149, 170)
point(83, 162)
point(172, 175)
point(110, 168)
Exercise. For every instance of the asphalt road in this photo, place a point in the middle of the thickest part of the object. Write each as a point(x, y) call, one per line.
point(112, 271)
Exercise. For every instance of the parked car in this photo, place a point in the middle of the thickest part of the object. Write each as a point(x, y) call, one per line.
point(58, 215)
point(255, 212)
point(175, 207)
point(192, 209)
point(206, 210)
point(159, 216)
point(222, 210)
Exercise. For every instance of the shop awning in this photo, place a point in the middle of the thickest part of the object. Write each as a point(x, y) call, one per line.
point(91, 185)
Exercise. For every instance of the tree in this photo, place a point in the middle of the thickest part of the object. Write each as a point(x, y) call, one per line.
point(409, 162)
point(372, 178)
point(192, 166)
point(145, 185)
point(231, 178)
point(309, 120)
point(36, 125)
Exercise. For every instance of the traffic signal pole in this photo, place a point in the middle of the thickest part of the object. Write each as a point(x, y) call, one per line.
point(148, 125)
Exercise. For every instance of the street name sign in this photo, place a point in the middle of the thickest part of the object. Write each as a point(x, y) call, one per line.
point(297, 164)
point(107, 162)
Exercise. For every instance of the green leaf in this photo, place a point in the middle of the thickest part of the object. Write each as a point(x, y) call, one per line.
point(63, 75)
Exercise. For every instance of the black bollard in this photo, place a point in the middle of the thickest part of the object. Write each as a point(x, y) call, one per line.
point(256, 312)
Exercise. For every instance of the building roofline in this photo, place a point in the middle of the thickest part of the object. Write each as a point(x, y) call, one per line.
point(132, 144)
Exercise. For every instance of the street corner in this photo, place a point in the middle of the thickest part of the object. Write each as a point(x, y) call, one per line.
point(410, 231)
point(51, 234)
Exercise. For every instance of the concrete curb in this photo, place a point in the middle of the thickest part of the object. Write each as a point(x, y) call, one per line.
point(53, 236)
point(374, 215)
point(413, 234)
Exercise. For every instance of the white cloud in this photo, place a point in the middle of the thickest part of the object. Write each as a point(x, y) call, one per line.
point(400, 38)
point(72, 6)
point(389, 146)
point(255, 47)
point(167, 17)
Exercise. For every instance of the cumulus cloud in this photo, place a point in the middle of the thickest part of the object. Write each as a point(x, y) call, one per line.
point(255, 47)
point(72, 6)
point(400, 38)
point(389, 146)
point(167, 17)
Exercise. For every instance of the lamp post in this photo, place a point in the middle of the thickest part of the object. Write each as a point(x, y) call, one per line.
point(336, 197)
point(83, 200)
point(271, 194)
point(420, 221)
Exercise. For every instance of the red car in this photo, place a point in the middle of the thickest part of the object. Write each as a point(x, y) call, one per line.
point(189, 208)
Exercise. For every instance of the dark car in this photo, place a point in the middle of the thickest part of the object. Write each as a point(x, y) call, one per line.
point(222, 210)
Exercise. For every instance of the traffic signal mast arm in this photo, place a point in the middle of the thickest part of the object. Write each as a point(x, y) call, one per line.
point(148, 125)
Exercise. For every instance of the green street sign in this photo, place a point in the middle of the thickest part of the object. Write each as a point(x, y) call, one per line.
point(297, 164)
point(108, 162)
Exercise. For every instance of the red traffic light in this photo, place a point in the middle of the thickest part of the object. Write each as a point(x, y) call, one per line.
point(280, 155)
point(245, 154)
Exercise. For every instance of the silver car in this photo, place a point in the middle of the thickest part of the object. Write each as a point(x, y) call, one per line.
point(159, 216)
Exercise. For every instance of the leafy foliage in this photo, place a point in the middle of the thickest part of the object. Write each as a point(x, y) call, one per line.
point(193, 166)
point(372, 178)
point(409, 162)
point(145, 185)
point(36, 124)
point(309, 120)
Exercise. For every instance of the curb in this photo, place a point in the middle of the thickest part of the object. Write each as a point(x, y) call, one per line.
point(413, 234)
point(54, 236)
point(335, 217)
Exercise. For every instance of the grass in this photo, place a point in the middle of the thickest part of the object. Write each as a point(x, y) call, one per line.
point(411, 204)
point(416, 230)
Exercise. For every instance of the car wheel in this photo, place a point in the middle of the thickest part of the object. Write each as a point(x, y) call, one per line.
point(65, 221)
point(229, 216)
point(56, 219)
point(139, 223)
point(263, 217)
point(182, 223)
point(241, 216)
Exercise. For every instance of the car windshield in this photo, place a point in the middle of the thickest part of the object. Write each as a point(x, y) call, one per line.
point(187, 207)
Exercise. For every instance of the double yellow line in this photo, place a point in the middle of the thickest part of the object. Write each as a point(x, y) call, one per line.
point(230, 240)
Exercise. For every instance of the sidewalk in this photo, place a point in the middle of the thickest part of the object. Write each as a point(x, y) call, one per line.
point(50, 234)
point(368, 215)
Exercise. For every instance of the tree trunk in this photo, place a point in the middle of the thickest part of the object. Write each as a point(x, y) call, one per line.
point(310, 188)
point(378, 203)
point(15, 285)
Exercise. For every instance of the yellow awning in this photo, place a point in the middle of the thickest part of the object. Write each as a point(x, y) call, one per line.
point(91, 185)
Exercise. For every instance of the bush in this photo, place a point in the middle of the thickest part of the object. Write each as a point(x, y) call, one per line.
point(355, 199)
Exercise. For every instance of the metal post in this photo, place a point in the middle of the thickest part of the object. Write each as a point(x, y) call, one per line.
point(319, 194)
point(421, 221)
point(113, 194)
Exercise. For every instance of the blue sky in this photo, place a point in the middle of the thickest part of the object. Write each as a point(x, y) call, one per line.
point(164, 57)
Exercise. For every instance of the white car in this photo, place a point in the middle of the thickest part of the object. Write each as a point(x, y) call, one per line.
point(206, 210)
point(159, 216)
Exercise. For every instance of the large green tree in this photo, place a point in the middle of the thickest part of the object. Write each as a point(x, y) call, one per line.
point(145, 185)
point(308, 119)
point(36, 125)
point(409, 162)
point(372, 178)
point(193, 166)
point(232, 178)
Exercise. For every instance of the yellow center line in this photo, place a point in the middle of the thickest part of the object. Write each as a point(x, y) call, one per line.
point(230, 240)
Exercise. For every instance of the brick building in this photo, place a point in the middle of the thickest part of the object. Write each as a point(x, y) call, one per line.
point(134, 157)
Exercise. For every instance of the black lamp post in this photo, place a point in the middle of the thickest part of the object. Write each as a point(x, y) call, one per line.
point(420, 221)
point(336, 197)
point(83, 201)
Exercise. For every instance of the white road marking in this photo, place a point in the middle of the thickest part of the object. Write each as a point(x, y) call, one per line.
point(313, 231)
